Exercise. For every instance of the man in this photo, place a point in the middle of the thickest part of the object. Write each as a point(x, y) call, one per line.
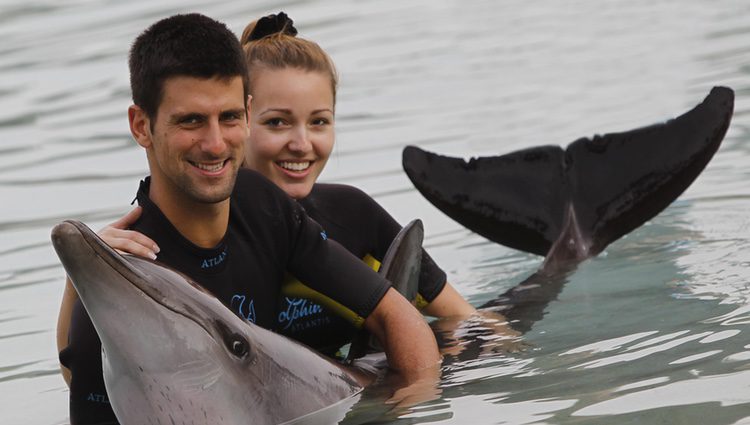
point(233, 231)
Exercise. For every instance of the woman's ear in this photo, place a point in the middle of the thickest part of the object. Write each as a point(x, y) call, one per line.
point(140, 126)
point(248, 108)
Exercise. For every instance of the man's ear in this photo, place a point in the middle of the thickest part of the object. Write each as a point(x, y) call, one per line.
point(140, 126)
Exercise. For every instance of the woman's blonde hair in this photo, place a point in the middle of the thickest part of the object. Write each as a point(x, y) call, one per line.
point(271, 43)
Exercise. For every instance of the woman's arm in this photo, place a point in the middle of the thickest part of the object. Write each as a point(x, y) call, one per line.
point(449, 303)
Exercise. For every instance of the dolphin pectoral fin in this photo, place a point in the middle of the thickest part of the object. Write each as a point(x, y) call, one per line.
point(605, 186)
point(402, 262)
point(401, 265)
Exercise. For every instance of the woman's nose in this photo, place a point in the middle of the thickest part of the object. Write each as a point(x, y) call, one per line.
point(299, 140)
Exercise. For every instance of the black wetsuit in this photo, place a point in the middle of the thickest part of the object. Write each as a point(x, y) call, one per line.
point(268, 235)
point(353, 219)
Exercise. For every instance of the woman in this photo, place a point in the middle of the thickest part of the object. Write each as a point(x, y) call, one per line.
point(293, 88)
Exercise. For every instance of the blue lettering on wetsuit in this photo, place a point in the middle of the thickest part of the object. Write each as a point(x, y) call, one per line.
point(298, 308)
point(244, 309)
point(98, 398)
point(324, 235)
point(215, 261)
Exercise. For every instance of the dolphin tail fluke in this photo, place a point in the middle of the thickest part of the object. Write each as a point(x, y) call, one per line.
point(570, 204)
point(400, 266)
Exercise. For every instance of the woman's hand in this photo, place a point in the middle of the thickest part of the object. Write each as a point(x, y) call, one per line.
point(483, 333)
point(118, 236)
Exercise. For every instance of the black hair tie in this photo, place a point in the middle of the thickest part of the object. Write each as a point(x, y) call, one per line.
point(273, 24)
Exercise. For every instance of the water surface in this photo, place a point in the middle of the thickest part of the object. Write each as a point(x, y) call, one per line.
point(654, 330)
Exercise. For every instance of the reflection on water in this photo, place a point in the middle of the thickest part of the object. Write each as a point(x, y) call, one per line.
point(654, 330)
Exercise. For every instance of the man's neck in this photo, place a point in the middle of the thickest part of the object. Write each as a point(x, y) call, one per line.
point(203, 224)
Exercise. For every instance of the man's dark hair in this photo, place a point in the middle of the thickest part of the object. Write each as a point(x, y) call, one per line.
point(191, 45)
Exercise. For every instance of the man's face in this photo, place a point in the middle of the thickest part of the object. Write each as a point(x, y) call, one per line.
point(196, 145)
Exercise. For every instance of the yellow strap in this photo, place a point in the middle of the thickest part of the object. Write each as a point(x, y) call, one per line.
point(292, 287)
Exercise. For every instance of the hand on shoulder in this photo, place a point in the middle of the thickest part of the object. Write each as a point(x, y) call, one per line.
point(117, 235)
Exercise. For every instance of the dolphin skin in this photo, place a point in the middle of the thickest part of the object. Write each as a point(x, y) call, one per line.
point(568, 205)
point(174, 354)
point(401, 266)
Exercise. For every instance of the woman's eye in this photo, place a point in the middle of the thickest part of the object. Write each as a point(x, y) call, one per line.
point(320, 121)
point(274, 122)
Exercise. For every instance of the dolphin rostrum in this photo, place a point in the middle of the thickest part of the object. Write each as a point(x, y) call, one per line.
point(568, 205)
point(174, 354)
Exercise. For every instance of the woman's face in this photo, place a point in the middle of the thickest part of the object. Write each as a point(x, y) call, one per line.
point(291, 127)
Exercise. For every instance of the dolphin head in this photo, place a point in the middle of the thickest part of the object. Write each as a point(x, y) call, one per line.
point(173, 353)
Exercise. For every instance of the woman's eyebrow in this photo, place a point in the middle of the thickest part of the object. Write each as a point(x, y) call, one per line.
point(281, 110)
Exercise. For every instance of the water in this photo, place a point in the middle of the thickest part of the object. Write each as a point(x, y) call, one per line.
point(654, 330)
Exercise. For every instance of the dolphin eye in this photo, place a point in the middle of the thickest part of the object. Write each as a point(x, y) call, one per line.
point(238, 347)
point(234, 342)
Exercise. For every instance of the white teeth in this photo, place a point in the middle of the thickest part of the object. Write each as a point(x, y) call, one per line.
point(295, 166)
point(209, 167)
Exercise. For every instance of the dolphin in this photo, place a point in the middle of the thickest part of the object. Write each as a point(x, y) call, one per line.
point(401, 265)
point(568, 205)
point(174, 354)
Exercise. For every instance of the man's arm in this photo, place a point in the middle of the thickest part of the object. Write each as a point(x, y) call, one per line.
point(63, 323)
point(408, 341)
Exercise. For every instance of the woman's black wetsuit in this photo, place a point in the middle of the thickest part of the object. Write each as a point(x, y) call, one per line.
point(361, 225)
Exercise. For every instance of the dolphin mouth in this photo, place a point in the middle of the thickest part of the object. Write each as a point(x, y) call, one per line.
point(76, 243)
point(72, 232)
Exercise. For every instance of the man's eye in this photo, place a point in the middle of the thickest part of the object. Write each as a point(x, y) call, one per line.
point(231, 116)
point(190, 120)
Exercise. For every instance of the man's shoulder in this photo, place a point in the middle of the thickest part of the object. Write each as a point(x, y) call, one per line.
point(337, 191)
point(258, 200)
point(254, 189)
point(336, 196)
point(248, 180)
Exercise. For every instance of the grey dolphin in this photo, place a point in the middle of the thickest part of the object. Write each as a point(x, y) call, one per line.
point(174, 354)
point(568, 205)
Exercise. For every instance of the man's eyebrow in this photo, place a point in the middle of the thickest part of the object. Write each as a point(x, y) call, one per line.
point(179, 116)
point(236, 111)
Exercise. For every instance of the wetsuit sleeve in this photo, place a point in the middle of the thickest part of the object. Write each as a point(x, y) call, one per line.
point(352, 288)
point(89, 403)
point(333, 276)
point(432, 278)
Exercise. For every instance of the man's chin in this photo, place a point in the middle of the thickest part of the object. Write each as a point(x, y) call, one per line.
point(211, 194)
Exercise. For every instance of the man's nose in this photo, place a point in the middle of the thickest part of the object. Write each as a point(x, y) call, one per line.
point(213, 139)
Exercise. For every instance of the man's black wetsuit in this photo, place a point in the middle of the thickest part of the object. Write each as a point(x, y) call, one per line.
point(268, 234)
point(353, 219)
